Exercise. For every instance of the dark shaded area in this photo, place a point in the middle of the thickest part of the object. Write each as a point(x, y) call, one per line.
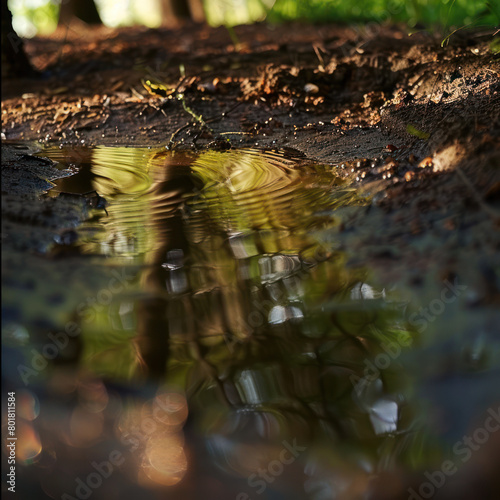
point(15, 63)
point(84, 10)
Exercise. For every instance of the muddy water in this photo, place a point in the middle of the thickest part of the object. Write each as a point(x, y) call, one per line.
point(235, 354)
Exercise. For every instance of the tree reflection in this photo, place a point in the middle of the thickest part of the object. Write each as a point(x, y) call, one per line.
point(268, 331)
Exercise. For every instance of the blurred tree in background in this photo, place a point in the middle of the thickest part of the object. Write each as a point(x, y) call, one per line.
point(85, 10)
point(14, 59)
point(174, 10)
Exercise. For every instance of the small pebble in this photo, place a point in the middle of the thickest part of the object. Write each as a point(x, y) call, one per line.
point(409, 176)
point(426, 162)
point(310, 88)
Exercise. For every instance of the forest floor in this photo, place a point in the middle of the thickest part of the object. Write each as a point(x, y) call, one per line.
point(416, 124)
point(427, 117)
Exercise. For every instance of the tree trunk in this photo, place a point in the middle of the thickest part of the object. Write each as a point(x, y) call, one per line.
point(14, 60)
point(176, 11)
point(84, 10)
point(197, 11)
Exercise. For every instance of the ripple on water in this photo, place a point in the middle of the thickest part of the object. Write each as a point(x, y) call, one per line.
point(235, 301)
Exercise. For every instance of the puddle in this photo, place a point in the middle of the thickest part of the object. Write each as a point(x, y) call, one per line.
point(264, 200)
point(233, 355)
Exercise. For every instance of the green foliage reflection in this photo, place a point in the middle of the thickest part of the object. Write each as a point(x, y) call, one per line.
point(237, 302)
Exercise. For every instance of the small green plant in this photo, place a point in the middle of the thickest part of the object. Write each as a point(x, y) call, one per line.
point(487, 16)
point(412, 130)
point(234, 36)
point(495, 46)
point(187, 109)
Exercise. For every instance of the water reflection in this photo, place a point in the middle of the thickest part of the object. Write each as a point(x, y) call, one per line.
point(154, 432)
point(266, 331)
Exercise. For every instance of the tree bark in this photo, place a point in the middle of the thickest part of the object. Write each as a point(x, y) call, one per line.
point(84, 10)
point(15, 62)
point(174, 12)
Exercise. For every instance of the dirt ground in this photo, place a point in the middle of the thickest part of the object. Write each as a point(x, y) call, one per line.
point(424, 120)
point(414, 125)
